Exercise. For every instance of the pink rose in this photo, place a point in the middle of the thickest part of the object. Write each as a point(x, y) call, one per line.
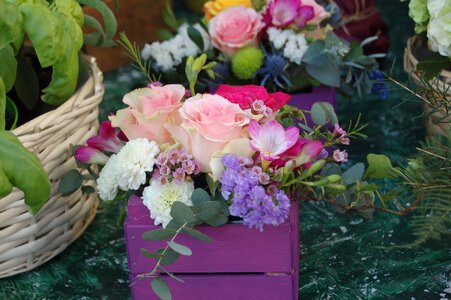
point(209, 123)
point(234, 28)
point(149, 109)
point(245, 95)
point(320, 14)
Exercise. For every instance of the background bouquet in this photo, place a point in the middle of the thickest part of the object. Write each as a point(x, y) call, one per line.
point(280, 44)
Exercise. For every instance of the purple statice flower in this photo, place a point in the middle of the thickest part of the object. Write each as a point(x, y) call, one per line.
point(175, 165)
point(253, 199)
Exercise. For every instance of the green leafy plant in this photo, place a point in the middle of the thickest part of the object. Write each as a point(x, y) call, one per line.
point(52, 31)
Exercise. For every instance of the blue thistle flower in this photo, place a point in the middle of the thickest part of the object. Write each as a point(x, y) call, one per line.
point(274, 66)
point(378, 86)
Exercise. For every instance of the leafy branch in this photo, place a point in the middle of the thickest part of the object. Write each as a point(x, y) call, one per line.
point(205, 210)
point(193, 68)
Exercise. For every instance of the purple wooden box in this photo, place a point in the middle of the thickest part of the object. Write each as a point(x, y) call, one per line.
point(321, 93)
point(240, 264)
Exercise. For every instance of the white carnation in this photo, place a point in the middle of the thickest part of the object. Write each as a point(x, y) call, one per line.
point(294, 44)
point(107, 181)
point(169, 54)
point(159, 199)
point(133, 161)
point(439, 28)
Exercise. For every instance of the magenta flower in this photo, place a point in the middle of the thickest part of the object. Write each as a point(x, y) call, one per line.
point(305, 13)
point(90, 155)
point(340, 156)
point(310, 150)
point(107, 139)
point(283, 12)
point(271, 139)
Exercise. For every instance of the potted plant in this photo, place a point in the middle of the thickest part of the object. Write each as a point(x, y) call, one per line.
point(427, 58)
point(296, 53)
point(41, 59)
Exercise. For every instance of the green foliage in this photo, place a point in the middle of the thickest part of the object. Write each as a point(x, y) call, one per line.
point(71, 182)
point(101, 37)
point(193, 68)
point(323, 113)
point(379, 167)
point(428, 178)
point(160, 288)
point(24, 171)
point(433, 66)
point(132, 51)
point(184, 219)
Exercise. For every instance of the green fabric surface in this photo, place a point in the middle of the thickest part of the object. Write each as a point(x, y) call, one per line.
point(341, 255)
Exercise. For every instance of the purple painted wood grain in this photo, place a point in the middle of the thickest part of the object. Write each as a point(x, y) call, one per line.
point(318, 94)
point(236, 248)
point(221, 287)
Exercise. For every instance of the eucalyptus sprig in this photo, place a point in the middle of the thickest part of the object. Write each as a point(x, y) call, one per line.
point(205, 210)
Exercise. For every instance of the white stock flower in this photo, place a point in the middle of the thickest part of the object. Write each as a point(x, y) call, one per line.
point(107, 181)
point(159, 198)
point(294, 44)
point(439, 28)
point(133, 161)
point(169, 54)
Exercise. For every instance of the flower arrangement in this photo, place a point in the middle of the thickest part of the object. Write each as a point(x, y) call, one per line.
point(285, 45)
point(239, 154)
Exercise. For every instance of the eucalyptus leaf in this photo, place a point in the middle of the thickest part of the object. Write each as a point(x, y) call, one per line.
point(207, 210)
point(179, 248)
point(327, 74)
point(24, 171)
point(87, 189)
point(158, 234)
point(354, 173)
point(170, 257)
point(148, 254)
point(323, 113)
point(199, 196)
point(182, 213)
point(197, 234)
point(71, 182)
point(161, 289)
point(219, 220)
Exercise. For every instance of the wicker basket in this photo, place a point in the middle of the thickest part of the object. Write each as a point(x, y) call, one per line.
point(436, 122)
point(28, 241)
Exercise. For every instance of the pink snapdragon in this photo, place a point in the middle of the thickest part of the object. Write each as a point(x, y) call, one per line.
point(90, 155)
point(340, 156)
point(107, 139)
point(271, 139)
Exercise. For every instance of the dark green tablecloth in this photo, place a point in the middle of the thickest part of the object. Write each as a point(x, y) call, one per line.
point(341, 257)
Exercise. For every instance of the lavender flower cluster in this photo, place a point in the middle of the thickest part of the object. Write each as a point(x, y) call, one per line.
point(253, 197)
point(175, 165)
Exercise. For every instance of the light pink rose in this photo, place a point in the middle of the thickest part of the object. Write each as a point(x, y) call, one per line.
point(149, 109)
point(208, 124)
point(234, 28)
point(320, 14)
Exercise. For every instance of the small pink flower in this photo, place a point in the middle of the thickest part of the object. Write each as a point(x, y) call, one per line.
point(263, 178)
point(271, 139)
point(153, 84)
point(189, 167)
point(107, 139)
point(179, 175)
point(165, 170)
point(90, 155)
point(338, 131)
point(174, 156)
point(234, 28)
point(345, 141)
point(340, 156)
